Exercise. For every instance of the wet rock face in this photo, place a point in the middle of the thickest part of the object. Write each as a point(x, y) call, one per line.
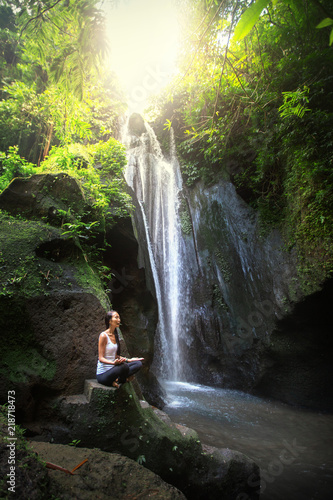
point(249, 329)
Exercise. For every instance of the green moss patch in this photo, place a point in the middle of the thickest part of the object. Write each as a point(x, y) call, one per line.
point(19, 364)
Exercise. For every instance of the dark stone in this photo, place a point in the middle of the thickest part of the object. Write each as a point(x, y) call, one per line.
point(102, 474)
point(33, 480)
point(30, 479)
point(51, 313)
point(43, 195)
point(136, 124)
point(298, 361)
point(131, 297)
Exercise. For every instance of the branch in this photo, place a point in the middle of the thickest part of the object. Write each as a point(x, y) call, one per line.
point(240, 83)
point(325, 11)
point(224, 61)
point(58, 27)
point(199, 43)
point(262, 62)
point(39, 15)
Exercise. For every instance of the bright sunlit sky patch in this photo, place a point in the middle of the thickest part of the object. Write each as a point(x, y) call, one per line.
point(144, 42)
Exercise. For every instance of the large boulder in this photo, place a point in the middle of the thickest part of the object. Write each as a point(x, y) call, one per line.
point(101, 473)
point(116, 421)
point(43, 195)
point(52, 308)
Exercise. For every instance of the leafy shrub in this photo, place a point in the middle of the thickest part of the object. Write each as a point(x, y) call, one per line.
point(111, 155)
point(12, 165)
point(98, 168)
point(70, 158)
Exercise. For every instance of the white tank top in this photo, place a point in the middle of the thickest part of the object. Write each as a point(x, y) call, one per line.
point(110, 355)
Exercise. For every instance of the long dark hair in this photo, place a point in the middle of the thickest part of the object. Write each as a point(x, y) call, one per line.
point(108, 316)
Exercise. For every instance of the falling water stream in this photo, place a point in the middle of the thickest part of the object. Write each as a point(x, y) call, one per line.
point(292, 446)
point(157, 184)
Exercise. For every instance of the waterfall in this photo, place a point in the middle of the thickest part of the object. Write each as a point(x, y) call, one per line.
point(157, 184)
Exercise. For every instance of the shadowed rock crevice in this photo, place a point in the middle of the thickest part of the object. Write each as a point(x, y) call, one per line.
point(299, 358)
point(58, 250)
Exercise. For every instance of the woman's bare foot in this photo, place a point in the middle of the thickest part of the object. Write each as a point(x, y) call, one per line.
point(115, 384)
point(129, 379)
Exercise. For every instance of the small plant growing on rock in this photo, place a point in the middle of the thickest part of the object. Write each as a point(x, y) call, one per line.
point(141, 459)
point(75, 442)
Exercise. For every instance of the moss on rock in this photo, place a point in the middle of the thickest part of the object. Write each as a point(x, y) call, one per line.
point(43, 277)
point(116, 421)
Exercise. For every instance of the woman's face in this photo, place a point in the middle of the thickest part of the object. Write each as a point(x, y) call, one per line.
point(115, 320)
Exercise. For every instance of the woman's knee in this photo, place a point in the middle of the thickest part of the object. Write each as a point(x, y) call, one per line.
point(106, 378)
point(135, 366)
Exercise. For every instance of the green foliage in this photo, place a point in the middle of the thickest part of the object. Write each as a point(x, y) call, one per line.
point(256, 108)
point(21, 121)
point(249, 19)
point(185, 218)
point(70, 118)
point(326, 23)
point(75, 442)
point(67, 38)
point(99, 169)
point(111, 155)
point(79, 230)
point(293, 103)
point(141, 459)
point(12, 165)
point(55, 88)
point(71, 158)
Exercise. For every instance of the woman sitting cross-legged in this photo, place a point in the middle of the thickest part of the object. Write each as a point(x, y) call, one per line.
point(113, 369)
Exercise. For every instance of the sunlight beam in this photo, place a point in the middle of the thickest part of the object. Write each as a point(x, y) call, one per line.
point(144, 38)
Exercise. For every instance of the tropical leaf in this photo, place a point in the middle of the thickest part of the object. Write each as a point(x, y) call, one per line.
point(325, 22)
point(249, 19)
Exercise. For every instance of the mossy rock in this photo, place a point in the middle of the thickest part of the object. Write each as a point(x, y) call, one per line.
point(116, 421)
point(29, 477)
point(51, 312)
point(42, 195)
